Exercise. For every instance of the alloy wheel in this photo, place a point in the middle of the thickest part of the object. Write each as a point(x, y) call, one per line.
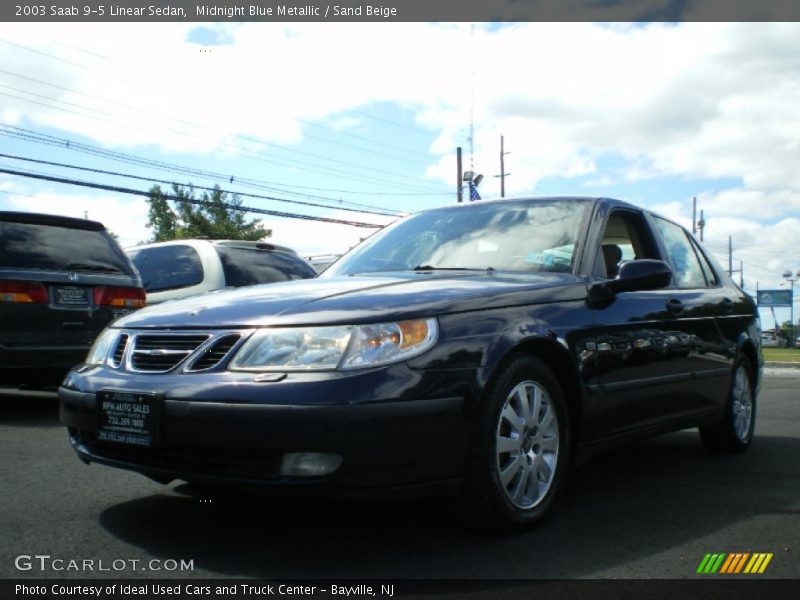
point(742, 404)
point(527, 443)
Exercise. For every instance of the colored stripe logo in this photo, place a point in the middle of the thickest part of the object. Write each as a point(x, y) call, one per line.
point(734, 563)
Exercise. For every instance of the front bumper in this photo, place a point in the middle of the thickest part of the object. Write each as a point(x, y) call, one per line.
point(225, 432)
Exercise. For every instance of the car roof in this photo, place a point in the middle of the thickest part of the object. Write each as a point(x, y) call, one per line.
point(52, 220)
point(610, 202)
point(240, 244)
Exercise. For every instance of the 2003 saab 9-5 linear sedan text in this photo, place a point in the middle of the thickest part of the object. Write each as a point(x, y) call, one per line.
point(476, 350)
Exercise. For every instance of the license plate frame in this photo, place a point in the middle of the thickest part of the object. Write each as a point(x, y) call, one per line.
point(129, 418)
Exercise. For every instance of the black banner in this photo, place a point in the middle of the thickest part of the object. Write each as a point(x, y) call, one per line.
point(401, 10)
point(512, 589)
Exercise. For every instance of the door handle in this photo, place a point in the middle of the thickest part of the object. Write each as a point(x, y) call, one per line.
point(73, 325)
point(674, 306)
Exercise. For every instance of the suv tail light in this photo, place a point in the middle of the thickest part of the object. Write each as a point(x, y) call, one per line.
point(123, 297)
point(28, 292)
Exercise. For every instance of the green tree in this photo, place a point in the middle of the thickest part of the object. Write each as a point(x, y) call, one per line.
point(214, 217)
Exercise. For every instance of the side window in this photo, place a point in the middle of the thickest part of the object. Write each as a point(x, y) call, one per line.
point(168, 267)
point(708, 270)
point(626, 237)
point(250, 267)
point(687, 271)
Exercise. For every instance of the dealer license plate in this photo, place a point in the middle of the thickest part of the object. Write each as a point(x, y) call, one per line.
point(71, 296)
point(128, 417)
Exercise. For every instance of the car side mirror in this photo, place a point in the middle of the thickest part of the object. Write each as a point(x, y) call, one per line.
point(640, 275)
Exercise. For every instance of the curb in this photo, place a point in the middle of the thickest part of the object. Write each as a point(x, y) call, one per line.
point(782, 365)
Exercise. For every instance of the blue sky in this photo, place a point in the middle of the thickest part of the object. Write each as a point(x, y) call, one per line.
point(365, 118)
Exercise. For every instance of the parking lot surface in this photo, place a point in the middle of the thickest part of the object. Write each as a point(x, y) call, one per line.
point(652, 510)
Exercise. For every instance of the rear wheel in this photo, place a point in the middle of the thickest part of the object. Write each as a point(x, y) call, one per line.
point(735, 432)
point(520, 448)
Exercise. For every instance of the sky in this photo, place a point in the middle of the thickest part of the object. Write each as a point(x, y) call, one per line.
point(365, 118)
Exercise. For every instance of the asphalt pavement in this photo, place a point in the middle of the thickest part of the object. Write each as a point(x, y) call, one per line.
point(652, 510)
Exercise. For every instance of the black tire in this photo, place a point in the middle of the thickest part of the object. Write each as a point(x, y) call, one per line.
point(735, 432)
point(506, 491)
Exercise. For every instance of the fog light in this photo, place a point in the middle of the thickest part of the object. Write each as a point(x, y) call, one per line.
point(309, 464)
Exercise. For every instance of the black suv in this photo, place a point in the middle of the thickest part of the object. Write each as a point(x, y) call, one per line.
point(62, 280)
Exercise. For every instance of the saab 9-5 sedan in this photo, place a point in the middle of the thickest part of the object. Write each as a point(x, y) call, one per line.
point(475, 350)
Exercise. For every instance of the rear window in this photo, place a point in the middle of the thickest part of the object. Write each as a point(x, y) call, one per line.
point(39, 246)
point(243, 266)
point(168, 267)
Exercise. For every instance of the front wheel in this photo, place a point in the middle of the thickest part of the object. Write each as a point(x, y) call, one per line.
point(735, 432)
point(520, 449)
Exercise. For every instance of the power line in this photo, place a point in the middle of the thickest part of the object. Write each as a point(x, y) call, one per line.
point(283, 148)
point(276, 160)
point(199, 187)
point(299, 120)
point(29, 135)
point(328, 171)
point(388, 121)
point(122, 190)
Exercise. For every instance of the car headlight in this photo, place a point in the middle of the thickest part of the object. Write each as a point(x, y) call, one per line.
point(101, 347)
point(339, 347)
point(386, 343)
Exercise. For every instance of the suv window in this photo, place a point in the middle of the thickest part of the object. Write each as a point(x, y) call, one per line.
point(168, 267)
point(687, 271)
point(244, 266)
point(41, 246)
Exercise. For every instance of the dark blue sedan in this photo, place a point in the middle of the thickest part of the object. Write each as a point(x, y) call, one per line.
point(476, 350)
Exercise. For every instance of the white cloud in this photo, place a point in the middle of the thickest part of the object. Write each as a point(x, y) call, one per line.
point(697, 100)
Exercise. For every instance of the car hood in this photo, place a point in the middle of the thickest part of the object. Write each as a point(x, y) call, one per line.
point(358, 299)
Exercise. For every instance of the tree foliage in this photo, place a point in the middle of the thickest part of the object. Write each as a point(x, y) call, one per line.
point(215, 217)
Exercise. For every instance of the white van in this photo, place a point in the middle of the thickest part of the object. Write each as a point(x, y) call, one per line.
point(182, 268)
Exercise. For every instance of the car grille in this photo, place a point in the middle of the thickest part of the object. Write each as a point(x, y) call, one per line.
point(213, 354)
point(119, 351)
point(162, 353)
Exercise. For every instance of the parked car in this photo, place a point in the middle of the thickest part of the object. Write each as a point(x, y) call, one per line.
point(770, 340)
point(320, 262)
point(475, 350)
point(62, 281)
point(183, 268)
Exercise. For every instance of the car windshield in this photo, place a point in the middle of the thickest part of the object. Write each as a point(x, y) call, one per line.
point(502, 236)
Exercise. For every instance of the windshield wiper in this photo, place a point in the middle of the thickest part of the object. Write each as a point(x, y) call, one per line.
point(432, 268)
point(93, 267)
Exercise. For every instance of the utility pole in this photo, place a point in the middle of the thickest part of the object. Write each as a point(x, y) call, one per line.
point(701, 224)
point(503, 173)
point(730, 256)
point(460, 177)
point(694, 215)
point(741, 274)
